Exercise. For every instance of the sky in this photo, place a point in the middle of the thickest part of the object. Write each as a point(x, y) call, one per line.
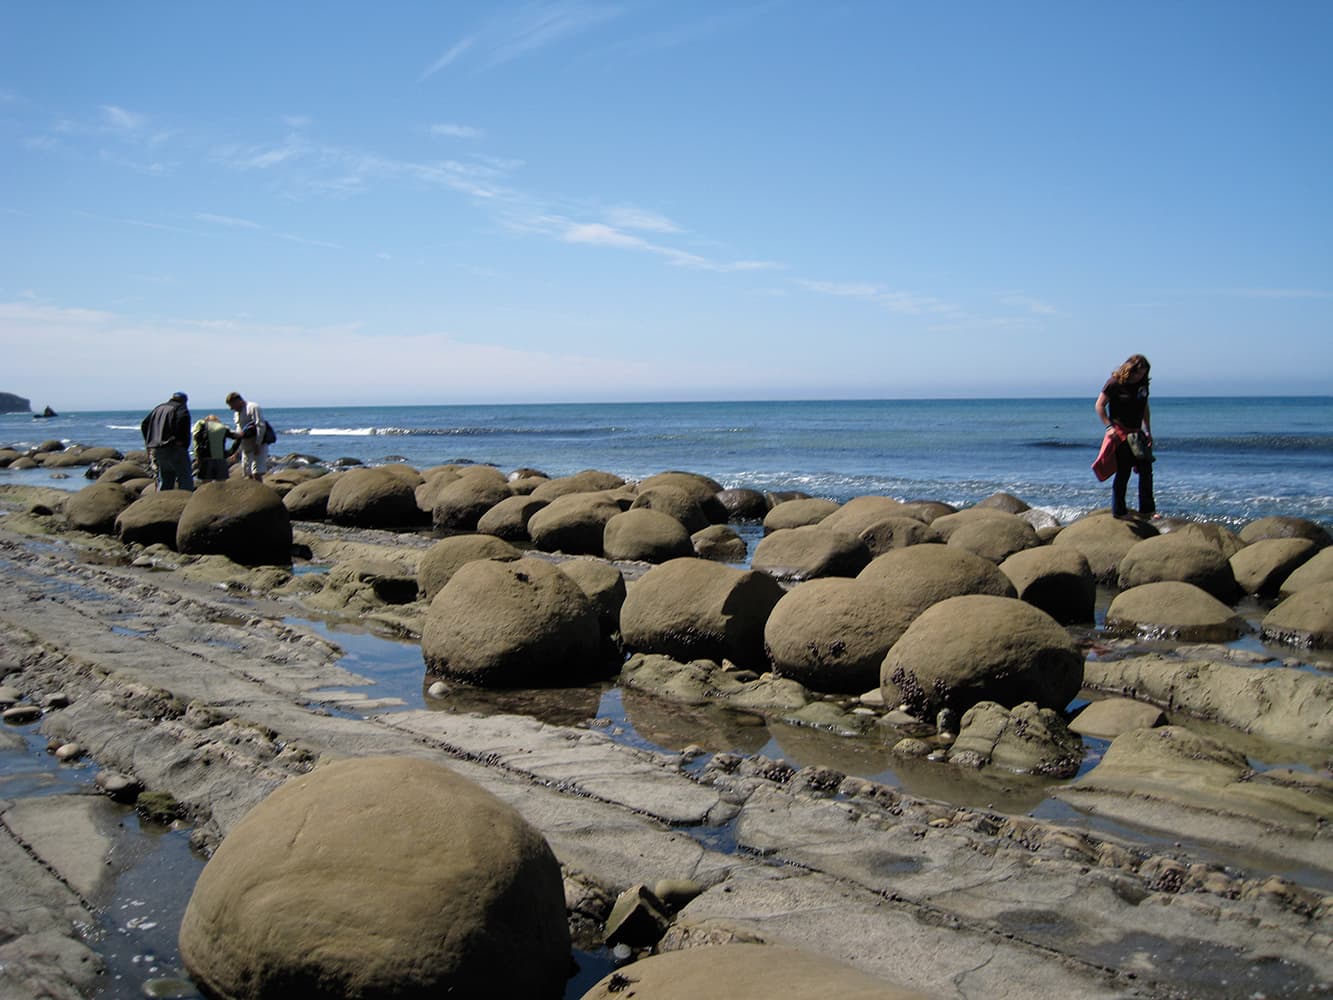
point(419, 203)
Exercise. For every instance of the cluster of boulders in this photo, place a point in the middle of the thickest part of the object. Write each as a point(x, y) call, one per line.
point(55, 454)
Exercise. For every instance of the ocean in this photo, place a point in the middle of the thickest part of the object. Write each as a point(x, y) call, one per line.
point(1219, 459)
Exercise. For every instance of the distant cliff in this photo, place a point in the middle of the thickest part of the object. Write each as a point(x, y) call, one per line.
point(9, 403)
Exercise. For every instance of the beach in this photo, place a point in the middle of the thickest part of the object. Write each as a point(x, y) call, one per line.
point(797, 814)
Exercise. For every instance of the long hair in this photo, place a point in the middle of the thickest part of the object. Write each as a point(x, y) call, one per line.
point(1121, 374)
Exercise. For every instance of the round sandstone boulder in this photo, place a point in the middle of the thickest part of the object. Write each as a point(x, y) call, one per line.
point(1219, 536)
point(603, 584)
point(587, 481)
point(378, 877)
point(1261, 568)
point(675, 503)
point(895, 533)
point(1317, 569)
point(928, 511)
point(1173, 557)
point(122, 472)
point(701, 489)
point(859, 513)
point(152, 519)
point(1174, 610)
point(509, 518)
point(373, 498)
point(976, 648)
point(95, 508)
point(798, 513)
point(1285, 527)
point(1104, 540)
point(433, 481)
point(309, 501)
point(646, 535)
point(573, 523)
point(1056, 580)
point(994, 538)
point(238, 518)
point(691, 609)
point(447, 556)
point(461, 504)
point(511, 624)
point(808, 552)
point(1006, 502)
point(743, 972)
point(743, 504)
point(831, 635)
point(1303, 619)
point(921, 575)
point(719, 543)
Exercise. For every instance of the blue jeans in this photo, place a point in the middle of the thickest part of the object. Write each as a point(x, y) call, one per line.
point(173, 467)
point(1124, 464)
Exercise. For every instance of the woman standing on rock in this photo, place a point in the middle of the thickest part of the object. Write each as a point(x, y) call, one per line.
point(1123, 408)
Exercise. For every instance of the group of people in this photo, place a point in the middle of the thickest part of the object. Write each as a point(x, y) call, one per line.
point(168, 434)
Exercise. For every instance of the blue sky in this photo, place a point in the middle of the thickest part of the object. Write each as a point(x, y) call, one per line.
point(472, 202)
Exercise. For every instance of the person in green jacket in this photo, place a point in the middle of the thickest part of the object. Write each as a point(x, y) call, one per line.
point(210, 448)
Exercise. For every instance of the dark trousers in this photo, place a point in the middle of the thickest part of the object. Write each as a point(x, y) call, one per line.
point(1124, 464)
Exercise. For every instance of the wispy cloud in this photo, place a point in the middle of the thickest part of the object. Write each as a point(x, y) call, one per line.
point(118, 118)
point(226, 220)
point(231, 222)
point(1029, 304)
point(602, 235)
point(447, 58)
point(630, 217)
point(455, 131)
point(530, 29)
point(907, 303)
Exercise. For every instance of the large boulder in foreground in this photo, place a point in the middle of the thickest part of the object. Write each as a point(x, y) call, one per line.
point(1178, 557)
point(509, 518)
point(237, 518)
point(309, 501)
point(1303, 619)
point(921, 575)
point(1285, 527)
point(574, 523)
point(373, 498)
point(743, 972)
point(447, 556)
point(976, 648)
point(1314, 571)
point(511, 624)
point(95, 508)
point(831, 635)
point(1262, 568)
point(379, 877)
point(1059, 581)
point(1174, 610)
point(692, 609)
point(461, 504)
point(644, 534)
point(152, 519)
point(808, 552)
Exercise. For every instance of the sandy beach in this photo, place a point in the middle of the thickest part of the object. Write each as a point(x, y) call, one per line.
point(207, 681)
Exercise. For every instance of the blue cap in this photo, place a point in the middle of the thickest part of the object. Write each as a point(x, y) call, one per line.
point(181, 396)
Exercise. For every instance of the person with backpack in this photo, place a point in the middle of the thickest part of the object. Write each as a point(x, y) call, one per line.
point(211, 450)
point(166, 435)
point(254, 433)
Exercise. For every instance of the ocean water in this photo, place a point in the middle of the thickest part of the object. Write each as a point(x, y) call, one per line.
point(1223, 459)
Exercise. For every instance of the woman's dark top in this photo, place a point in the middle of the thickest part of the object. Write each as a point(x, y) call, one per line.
point(1126, 402)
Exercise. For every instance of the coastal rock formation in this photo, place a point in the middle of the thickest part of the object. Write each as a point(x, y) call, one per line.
point(1027, 740)
point(152, 519)
point(750, 972)
point(946, 524)
point(1303, 619)
point(1174, 609)
point(743, 504)
point(1103, 540)
point(122, 472)
point(373, 498)
point(859, 513)
point(381, 876)
point(309, 501)
point(921, 575)
point(603, 584)
point(1261, 568)
point(1179, 558)
point(810, 551)
point(507, 624)
point(1218, 536)
point(10, 403)
point(1285, 527)
point(1006, 502)
point(283, 481)
point(993, 538)
point(1059, 581)
point(240, 519)
point(644, 534)
point(1109, 717)
point(1318, 569)
point(719, 543)
point(509, 518)
point(676, 503)
point(587, 481)
point(975, 648)
point(832, 635)
point(702, 489)
point(798, 513)
point(895, 533)
point(573, 523)
point(447, 556)
point(95, 508)
point(692, 609)
point(461, 504)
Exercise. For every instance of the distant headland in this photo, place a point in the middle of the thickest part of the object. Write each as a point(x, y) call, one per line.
point(9, 403)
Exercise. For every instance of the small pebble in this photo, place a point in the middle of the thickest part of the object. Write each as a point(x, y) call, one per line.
point(21, 714)
point(438, 690)
point(56, 699)
point(621, 952)
point(68, 752)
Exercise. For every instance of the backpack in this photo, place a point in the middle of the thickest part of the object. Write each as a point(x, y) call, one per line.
point(270, 435)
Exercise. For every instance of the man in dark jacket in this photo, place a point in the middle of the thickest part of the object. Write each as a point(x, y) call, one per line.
point(166, 435)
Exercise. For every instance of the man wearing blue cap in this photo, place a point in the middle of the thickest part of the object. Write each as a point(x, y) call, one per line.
point(166, 435)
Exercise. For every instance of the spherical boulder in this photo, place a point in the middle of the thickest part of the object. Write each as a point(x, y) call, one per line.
point(95, 508)
point(1058, 581)
point(744, 972)
point(1218, 536)
point(1317, 569)
point(861, 512)
point(810, 551)
point(894, 533)
point(743, 504)
point(1261, 568)
point(1303, 619)
point(238, 518)
point(677, 503)
point(831, 635)
point(994, 538)
point(719, 543)
point(378, 877)
point(603, 584)
point(1175, 610)
point(511, 624)
point(692, 609)
point(798, 513)
point(509, 518)
point(447, 556)
point(1286, 527)
point(433, 481)
point(643, 534)
point(309, 501)
point(152, 519)
point(373, 498)
point(1172, 557)
point(921, 575)
point(122, 472)
point(701, 489)
point(587, 481)
point(1006, 502)
point(1104, 539)
point(573, 523)
point(981, 648)
point(461, 504)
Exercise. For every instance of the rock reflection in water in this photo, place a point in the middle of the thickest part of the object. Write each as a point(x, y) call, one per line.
point(990, 788)
point(675, 726)
point(573, 706)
